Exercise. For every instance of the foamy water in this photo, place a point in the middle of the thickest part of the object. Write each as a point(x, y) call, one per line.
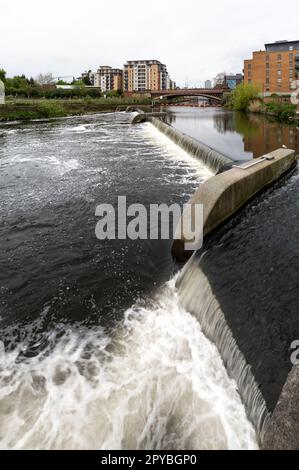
point(156, 383)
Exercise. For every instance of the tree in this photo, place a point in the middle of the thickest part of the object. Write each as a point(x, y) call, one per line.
point(2, 75)
point(86, 78)
point(219, 80)
point(242, 96)
point(78, 83)
point(62, 82)
point(45, 79)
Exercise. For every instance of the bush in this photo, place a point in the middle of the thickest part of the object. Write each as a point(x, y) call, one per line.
point(256, 106)
point(48, 110)
point(242, 96)
point(284, 111)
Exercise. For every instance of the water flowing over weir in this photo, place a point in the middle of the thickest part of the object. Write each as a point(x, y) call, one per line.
point(215, 161)
point(156, 383)
point(255, 342)
point(243, 290)
point(79, 368)
point(197, 298)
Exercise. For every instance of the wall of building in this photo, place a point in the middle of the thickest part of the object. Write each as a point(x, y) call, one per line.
point(145, 75)
point(273, 71)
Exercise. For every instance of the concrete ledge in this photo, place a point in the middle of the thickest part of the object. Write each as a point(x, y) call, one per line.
point(283, 430)
point(224, 194)
point(132, 109)
point(143, 117)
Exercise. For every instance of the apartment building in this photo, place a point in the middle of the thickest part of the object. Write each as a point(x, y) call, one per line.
point(274, 69)
point(231, 81)
point(108, 79)
point(146, 75)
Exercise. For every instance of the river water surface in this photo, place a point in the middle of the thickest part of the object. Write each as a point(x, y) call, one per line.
point(96, 350)
point(235, 135)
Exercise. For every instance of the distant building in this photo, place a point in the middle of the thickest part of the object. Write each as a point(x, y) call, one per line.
point(171, 85)
point(274, 69)
point(146, 75)
point(231, 81)
point(108, 79)
point(208, 84)
point(88, 77)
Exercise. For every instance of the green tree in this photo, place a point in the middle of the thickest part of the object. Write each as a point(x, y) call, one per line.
point(78, 83)
point(242, 95)
point(3, 75)
point(62, 82)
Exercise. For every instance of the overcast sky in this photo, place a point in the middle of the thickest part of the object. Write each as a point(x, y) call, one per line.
point(195, 39)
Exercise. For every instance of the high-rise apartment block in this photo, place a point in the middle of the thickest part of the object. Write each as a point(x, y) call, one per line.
point(137, 76)
point(146, 75)
point(108, 79)
point(275, 69)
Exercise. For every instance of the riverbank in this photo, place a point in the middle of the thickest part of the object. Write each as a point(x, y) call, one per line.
point(283, 112)
point(26, 109)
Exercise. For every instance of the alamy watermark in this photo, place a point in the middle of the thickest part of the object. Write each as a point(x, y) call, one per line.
point(156, 222)
point(295, 354)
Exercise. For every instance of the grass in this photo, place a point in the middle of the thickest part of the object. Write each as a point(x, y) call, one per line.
point(25, 109)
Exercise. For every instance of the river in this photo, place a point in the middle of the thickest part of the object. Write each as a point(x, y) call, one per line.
point(97, 351)
point(234, 134)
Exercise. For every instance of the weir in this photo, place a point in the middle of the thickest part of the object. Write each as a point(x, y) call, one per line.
point(196, 297)
point(215, 161)
point(270, 402)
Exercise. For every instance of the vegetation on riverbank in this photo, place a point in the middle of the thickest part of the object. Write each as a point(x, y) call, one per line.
point(26, 109)
point(282, 111)
point(246, 98)
point(242, 96)
point(28, 98)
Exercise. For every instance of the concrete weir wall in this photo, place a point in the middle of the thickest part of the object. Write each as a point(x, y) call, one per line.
point(283, 430)
point(224, 194)
point(221, 197)
point(215, 161)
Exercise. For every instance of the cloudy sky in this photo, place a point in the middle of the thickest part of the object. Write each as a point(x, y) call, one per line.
point(195, 39)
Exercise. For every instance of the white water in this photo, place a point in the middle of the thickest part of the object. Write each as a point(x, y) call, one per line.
point(158, 384)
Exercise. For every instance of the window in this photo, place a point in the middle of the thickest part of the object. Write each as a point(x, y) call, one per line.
point(268, 80)
point(249, 66)
point(279, 72)
point(267, 65)
point(279, 64)
point(267, 58)
point(279, 57)
point(291, 48)
point(279, 80)
point(291, 55)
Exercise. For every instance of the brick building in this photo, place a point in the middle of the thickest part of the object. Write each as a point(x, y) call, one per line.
point(274, 69)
